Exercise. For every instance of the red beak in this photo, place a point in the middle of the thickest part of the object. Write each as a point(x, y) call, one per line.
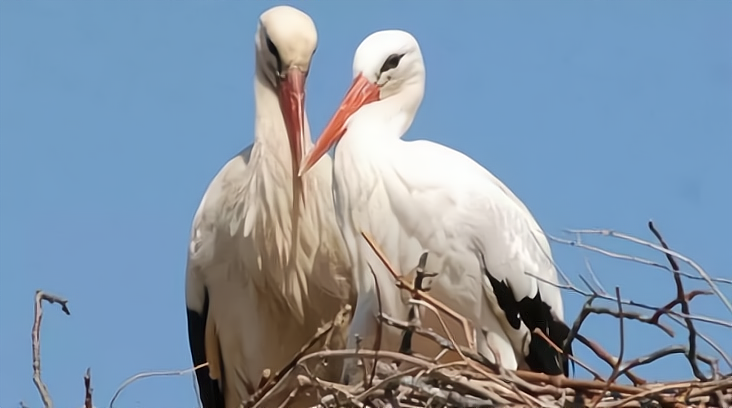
point(362, 92)
point(292, 103)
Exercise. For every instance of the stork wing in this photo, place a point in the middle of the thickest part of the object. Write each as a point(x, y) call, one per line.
point(202, 333)
point(480, 214)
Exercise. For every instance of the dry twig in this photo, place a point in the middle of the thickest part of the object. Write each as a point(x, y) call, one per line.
point(683, 299)
point(673, 254)
point(88, 390)
point(148, 374)
point(36, 341)
point(270, 385)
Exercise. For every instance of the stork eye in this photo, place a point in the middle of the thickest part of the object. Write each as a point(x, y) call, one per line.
point(391, 62)
point(271, 47)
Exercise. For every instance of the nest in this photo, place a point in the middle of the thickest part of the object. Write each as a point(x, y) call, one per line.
point(427, 384)
point(405, 379)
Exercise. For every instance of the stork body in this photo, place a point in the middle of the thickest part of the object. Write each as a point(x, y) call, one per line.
point(265, 272)
point(416, 196)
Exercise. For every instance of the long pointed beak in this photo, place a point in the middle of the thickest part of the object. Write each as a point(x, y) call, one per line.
point(362, 92)
point(292, 103)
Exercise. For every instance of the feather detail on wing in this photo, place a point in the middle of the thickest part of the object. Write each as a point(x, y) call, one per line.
point(478, 213)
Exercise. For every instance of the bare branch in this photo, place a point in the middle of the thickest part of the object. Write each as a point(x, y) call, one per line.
point(36, 341)
point(704, 275)
point(682, 299)
point(616, 367)
point(148, 374)
point(268, 388)
point(420, 275)
point(709, 341)
point(379, 329)
point(88, 390)
point(604, 296)
point(635, 259)
point(419, 294)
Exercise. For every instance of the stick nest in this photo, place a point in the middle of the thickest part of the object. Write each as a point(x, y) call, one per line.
point(406, 379)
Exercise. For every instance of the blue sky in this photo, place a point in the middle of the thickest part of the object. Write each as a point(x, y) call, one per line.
point(114, 116)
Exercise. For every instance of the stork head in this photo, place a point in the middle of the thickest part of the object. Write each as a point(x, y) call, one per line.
point(286, 40)
point(386, 64)
point(387, 61)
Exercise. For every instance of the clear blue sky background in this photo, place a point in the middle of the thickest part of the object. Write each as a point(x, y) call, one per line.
point(114, 116)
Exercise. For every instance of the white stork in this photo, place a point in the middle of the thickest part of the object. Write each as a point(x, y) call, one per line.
point(264, 272)
point(416, 196)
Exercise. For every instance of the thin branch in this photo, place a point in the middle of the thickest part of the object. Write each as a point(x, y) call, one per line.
point(622, 337)
point(420, 294)
point(148, 374)
point(269, 386)
point(608, 358)
point(636, 259)
point(420, 275)
point(667, 351)
point(582, 364)
point(679, 300)
point(709, 341)
point(705, 276)
point(379, 329)
point(88, 390)
point(604, 296)
point(683, 300)
point(616, 367)
point(36, 341)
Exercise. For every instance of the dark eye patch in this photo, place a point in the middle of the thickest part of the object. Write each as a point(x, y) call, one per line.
point(391, 62)
point(273, 50)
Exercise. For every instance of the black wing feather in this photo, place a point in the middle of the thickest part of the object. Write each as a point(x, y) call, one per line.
point(534, 313)
point(210, 389)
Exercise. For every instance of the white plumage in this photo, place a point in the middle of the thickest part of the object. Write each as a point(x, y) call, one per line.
point(412, 196)
point(265, 272)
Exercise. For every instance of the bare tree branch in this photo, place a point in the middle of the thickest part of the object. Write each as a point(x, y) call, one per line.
point(36, 341)
point(704, 275)
point(152, 374)
point(683, 299)
point(88, 390)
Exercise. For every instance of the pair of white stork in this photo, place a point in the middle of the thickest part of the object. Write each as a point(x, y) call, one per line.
point(276, 247)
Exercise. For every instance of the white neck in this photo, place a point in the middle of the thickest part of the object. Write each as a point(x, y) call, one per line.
point(393, 115)
point(270, 194)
